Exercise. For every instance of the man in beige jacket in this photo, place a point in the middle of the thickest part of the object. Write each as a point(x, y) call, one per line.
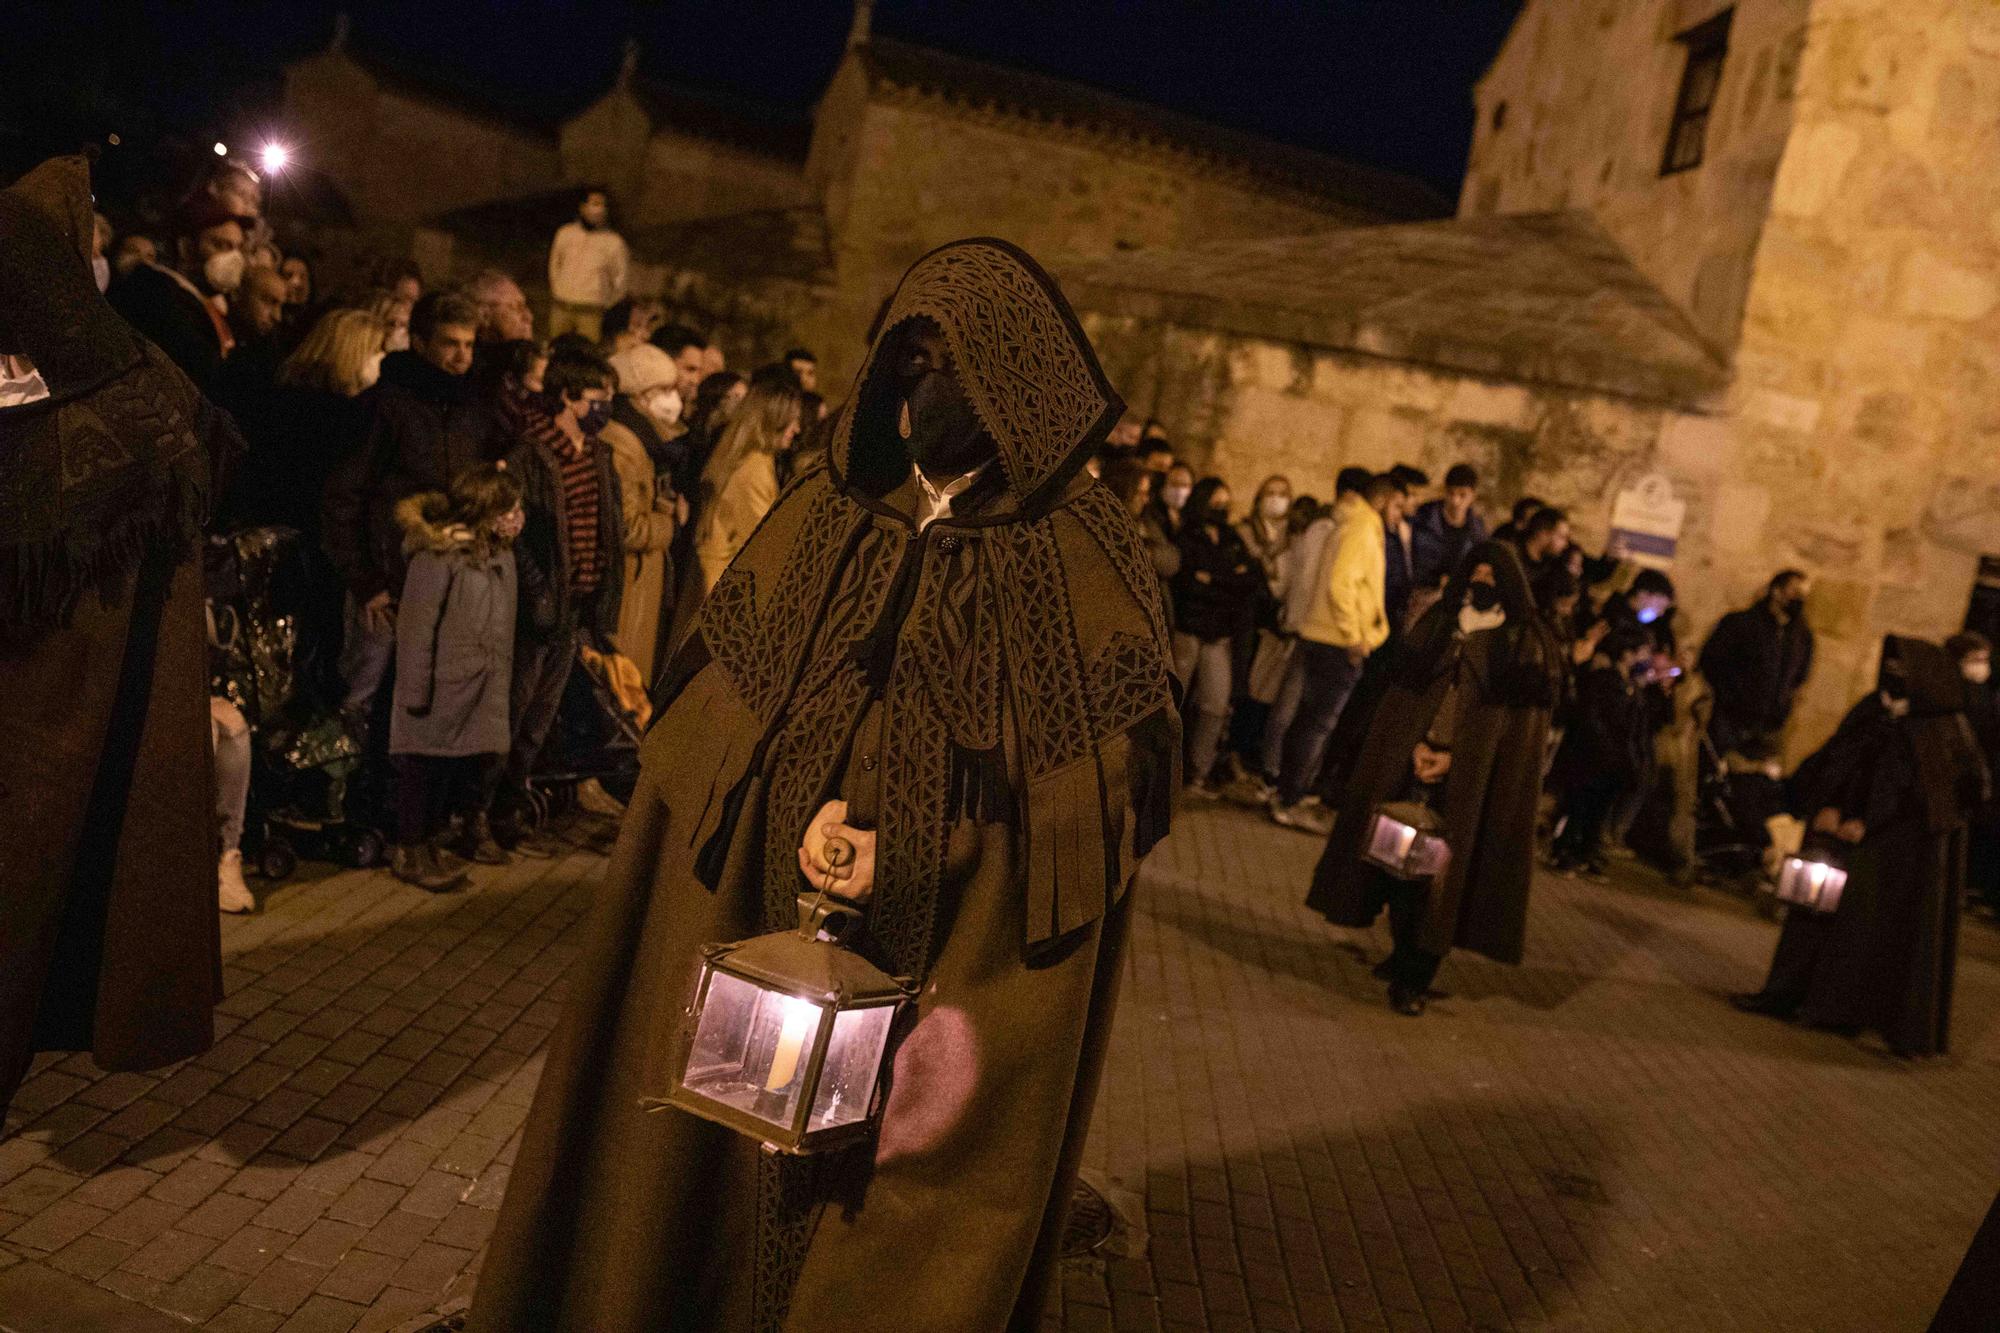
point(1344, 621)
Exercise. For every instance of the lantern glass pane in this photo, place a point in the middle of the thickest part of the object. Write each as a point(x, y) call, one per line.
point(1431, 856)
point(752, 1047)
point(1389, 842)
point(853, 1056)
point(1813, 884)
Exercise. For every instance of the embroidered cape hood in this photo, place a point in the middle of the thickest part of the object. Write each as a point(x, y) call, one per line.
point(1019, 652)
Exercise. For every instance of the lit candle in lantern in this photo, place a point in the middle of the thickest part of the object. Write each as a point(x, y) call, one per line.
point(800, 1021)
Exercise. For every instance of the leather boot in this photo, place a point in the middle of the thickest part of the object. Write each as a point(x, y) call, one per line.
point(479, 845)
point(417, 864)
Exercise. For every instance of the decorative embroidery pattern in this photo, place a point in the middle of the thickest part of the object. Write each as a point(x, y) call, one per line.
point(1128, 684)
point(1030, 377)
point(955, 639)
point(1119, 538)
point(1047, 678)
point(910, 847)
point(757, 639)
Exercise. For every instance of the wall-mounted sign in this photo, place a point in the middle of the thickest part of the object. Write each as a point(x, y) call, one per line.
point(1646, 523)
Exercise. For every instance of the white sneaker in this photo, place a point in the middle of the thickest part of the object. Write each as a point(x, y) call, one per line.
point(232, 894)
point(592, 797)
point(1303, 818)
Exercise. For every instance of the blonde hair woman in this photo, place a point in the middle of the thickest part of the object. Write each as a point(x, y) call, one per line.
point(740, 483)
point(342, 354)
point(394, 312)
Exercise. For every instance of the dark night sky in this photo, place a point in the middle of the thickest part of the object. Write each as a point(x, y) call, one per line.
point(1386, 82)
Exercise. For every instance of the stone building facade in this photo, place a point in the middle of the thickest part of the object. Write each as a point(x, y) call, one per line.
point(741, 217)
point(380, 135)
point(1834, 252)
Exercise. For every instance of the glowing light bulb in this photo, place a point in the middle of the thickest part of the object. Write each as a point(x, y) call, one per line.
point(275, 156)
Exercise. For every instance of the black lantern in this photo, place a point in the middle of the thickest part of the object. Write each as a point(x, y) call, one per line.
point(1406, 838)
point(785, 1037)
point(1812, 879)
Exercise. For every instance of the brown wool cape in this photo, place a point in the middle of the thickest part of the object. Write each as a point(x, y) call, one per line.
point(993, 697)
point(108, 934)
point(1507, 679)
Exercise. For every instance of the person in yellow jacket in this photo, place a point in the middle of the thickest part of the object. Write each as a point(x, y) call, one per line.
point(1345, 619)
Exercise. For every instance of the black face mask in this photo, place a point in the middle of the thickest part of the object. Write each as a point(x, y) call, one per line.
point(1483, 596)
point(945, 438)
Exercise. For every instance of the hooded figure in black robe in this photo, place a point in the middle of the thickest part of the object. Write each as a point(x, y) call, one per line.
point(1469, 699)
point(108, 846)
point(1890, 792)
point(988, 694)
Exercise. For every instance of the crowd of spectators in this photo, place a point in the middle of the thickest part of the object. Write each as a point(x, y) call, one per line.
point(477, 510)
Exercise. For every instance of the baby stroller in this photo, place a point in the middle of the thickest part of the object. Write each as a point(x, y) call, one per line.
point(1738, 794)
point(596, 735)
point(301, 756)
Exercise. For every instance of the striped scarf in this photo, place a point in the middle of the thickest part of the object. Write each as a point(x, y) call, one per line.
point(576, 473)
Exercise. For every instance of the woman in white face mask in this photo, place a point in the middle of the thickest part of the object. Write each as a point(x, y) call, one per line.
point(1261, 654)
point(645, 421)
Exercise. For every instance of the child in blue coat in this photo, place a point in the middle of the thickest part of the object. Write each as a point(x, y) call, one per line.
point(448, 733)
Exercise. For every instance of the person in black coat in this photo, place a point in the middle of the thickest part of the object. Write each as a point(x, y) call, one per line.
point(1463, 724)
point(178, 308)
point(1606, 749)
point(426, 424)
point(1215, 596)
point(1890, 793)
point(1756, 660)
point(1973, 654)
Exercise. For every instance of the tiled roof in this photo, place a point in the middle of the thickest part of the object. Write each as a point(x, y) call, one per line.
point(1545, 298)
point(905, 67)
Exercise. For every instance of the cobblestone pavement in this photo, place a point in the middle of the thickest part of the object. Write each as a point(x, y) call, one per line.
point(1590, 1141)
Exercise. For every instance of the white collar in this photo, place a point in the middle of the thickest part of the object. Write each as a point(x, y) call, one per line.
point(934, 502)
point(20, 390)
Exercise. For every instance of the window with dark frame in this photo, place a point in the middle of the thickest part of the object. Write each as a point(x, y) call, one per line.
point(1706, 44)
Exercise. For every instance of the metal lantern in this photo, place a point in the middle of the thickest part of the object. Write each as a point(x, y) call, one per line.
point(1813, 880)
point(1406, 838)
point(785, 1037)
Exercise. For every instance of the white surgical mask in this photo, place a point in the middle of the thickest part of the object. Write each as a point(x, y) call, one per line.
point(663, 406)
point(1275, 507)
point(224, 271)
point(1175, 496)
point(1977, 672)
point(100, 268)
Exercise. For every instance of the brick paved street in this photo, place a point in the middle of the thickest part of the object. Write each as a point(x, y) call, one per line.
point(1591, 1141)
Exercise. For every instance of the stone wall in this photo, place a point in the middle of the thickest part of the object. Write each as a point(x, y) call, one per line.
point(907, 177)
point(1574, 113)
point(1245, 408)
point(660, 174)
point(397, 157)
point(1865, 437)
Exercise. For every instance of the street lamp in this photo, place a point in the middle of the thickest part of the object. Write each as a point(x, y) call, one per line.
point(785, 1038)
point(1406, 838)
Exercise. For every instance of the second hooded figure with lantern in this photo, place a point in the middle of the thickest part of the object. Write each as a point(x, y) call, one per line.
point(933, 686)
point(1449, 774)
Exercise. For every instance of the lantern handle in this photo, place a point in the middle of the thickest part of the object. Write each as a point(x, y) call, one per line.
point(820, 914)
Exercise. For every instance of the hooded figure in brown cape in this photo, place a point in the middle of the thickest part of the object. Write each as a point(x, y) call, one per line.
point(1464, 725)
point(969, 660)
point(1890, 793)
point(108, 935)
